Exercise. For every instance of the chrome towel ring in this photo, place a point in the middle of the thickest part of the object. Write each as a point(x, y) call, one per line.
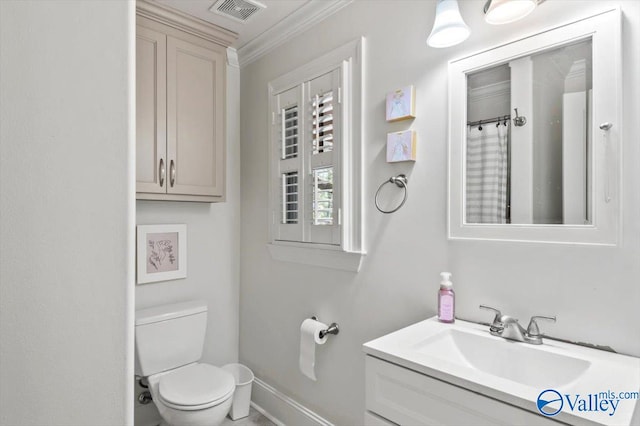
point(401, 181)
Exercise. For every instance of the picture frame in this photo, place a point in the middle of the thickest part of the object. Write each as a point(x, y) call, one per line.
point(161, 253)
point(401, 146)
point(401, 104)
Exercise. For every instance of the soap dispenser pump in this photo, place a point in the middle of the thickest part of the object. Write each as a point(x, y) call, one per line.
point(446, 299)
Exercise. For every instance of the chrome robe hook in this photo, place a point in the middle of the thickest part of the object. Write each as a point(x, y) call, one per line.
point(519, 121)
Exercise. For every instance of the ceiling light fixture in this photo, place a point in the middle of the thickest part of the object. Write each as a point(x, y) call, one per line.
point(499, 12)
point(448, 28)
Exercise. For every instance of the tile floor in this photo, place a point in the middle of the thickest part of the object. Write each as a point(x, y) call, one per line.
point(254, 419)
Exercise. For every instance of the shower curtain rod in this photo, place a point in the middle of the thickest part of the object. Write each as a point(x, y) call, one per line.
point(489, 120)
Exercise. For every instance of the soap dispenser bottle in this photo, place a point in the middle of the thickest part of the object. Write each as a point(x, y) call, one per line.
point(446, 299)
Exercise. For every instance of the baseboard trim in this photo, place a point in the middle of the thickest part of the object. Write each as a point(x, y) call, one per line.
point(265, 413)
point(281, 409)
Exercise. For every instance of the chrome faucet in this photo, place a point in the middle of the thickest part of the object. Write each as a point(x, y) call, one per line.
point(509, 328)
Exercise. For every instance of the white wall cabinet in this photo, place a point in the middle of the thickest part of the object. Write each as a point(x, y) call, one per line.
point(180, 109)
point(397, 395)
point(537, 201)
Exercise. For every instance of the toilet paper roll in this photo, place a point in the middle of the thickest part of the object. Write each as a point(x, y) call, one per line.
point(309, 338)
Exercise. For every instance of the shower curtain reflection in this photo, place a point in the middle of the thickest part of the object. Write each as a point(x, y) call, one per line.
point(487, 173)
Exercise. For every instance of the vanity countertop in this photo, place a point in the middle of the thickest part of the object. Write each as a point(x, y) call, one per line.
point(588, 382)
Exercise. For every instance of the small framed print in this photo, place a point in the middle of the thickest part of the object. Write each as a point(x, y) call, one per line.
point(161, 253)
point(401, 146)
point(401, 104)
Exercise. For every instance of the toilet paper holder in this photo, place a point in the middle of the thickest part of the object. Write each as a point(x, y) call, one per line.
point(333, 328)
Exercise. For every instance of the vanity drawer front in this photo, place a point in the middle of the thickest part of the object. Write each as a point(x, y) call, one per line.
point(410, 398)
point(372, 419)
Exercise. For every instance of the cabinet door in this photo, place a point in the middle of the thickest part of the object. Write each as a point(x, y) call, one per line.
point(151, 136)
point(195, 118)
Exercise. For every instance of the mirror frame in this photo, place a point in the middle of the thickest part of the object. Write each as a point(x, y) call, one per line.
point(605, 31)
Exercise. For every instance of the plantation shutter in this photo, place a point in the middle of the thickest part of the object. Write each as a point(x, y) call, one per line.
point(322, 164)
point(315, 158)
point(288, 220)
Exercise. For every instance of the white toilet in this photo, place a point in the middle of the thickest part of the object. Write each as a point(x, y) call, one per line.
point(169, 341)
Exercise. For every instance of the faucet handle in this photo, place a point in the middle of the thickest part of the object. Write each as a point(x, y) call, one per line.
point(532, 329)
point(497, 319)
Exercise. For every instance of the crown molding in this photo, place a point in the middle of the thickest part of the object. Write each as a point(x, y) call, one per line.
point(502, 88)
point(183, 22)
point(297, 22)
point(578, 69)
point(232, 57)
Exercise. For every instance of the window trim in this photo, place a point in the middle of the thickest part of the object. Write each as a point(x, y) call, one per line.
point(349, 254)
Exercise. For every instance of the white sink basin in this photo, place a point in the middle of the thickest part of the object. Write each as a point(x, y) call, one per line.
point(504, 358)
point(467, 355)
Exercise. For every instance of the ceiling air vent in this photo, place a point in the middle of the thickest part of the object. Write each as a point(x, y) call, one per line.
point(238, 10)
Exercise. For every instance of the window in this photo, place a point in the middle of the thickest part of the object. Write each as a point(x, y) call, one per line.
point(316, 161)
point(322, 186)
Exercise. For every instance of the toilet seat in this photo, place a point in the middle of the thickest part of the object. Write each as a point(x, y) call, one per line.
point(195, 387)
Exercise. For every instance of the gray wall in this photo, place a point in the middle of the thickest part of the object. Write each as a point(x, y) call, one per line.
point(66, 202)
point(594, 291)
point(213, 242)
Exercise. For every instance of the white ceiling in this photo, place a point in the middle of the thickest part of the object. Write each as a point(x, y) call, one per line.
point(276, 11)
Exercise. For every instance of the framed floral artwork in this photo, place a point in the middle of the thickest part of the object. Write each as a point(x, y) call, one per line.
point(401, 146)
point(401, 104)
point(161, 253)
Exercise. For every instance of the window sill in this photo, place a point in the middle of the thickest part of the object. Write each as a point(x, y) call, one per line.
point(326, 258)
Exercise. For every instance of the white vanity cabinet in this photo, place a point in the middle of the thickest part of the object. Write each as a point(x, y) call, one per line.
point(396, 395)
point(180, 108)
point(433, 373)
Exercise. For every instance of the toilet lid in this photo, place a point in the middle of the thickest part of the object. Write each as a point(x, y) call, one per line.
point(196, 384)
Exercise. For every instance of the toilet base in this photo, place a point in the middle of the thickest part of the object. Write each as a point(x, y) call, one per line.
point(212, 416)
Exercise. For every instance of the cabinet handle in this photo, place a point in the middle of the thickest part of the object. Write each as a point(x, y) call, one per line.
point(172, 173)
point(162, 171)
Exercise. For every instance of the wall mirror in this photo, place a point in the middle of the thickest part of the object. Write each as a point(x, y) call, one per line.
point(533, 141)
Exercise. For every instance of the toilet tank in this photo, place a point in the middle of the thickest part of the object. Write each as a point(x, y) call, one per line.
point(169, 336)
